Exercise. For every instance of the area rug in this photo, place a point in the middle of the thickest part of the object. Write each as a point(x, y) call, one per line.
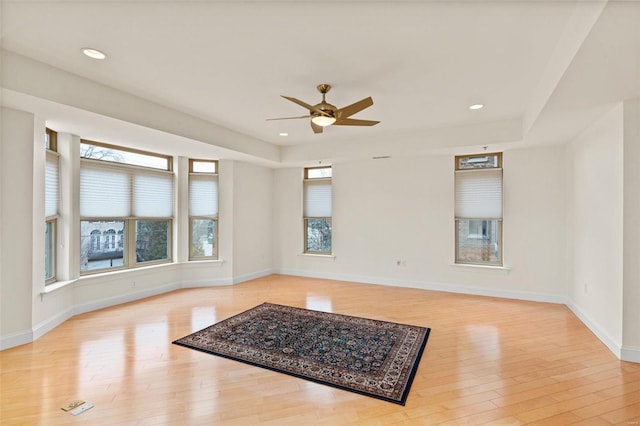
point(366, 356)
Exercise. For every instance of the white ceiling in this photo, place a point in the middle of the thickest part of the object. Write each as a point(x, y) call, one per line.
point(550, 66)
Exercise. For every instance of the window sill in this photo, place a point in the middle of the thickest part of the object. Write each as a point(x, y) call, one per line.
point(50, 288)
point(504, 269)
point(318, 256)
point(196, 261)
point(55, 286)
point(124, 270)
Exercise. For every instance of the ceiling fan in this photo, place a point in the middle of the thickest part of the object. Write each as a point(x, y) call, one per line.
point(324, 114)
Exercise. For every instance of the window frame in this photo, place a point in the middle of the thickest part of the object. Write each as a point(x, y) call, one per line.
point(130, 229)
point(167, 158)
point(134, 235)
point(52, 149)
point(130, 243)
point(308, 169)
point(54, 253)
point(305, 218)
point(498, 220)
point(52, 139)
point(214, 218)
point(126, 242)
point(192, 161)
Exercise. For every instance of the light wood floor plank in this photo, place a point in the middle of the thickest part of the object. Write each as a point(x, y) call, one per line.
point(488, 361)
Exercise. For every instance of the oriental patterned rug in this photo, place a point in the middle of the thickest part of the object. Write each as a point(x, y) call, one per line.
point(366, 356)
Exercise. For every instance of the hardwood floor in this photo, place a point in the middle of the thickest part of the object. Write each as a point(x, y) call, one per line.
point(488, 361)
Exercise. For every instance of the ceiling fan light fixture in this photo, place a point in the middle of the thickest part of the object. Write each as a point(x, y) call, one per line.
point(323, 120)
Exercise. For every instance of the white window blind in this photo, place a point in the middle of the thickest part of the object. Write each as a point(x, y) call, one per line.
point(152, 195)
point(317, 198)
point(203, 195)
point(51, 185)
point(117, 191)
point(479, 194)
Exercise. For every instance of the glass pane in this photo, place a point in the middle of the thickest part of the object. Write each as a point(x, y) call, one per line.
point(203, 238)
point(318, 233)
point(102, 244)
point(318, 172)
point(115, 155)
point(478, 242)
point(478, 161)
point(203, 166)
point(49, 250)
point(152, 240)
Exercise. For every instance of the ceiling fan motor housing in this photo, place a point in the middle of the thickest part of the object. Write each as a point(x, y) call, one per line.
point(325, 107)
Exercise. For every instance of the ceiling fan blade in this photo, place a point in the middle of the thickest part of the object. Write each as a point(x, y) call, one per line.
point(315, 127)
point(349, 110)
point(288, 118)
point(306, 105)
point(354, 122)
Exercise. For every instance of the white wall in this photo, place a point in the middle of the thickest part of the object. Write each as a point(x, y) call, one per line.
point(631, 271)
point(16, 228)
point(29, 309)
point(252, 221)
point(595, 228)
point(402, 209)
point(563, 232)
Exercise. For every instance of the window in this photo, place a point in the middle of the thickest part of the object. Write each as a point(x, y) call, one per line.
point(52, 195)
point(114, 154)
point(126, 207)
point(317, 210)
point(51, 140)
point(478, 209)
point(203, 209)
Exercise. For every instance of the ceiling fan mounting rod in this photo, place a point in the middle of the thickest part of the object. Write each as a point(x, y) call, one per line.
point(323, 88)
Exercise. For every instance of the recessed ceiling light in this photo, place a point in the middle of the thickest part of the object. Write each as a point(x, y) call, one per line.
point(93, 53)
point(284, 134)
point(476, 106)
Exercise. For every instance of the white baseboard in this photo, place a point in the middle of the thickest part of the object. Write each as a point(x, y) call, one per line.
point(207, 283)
point(608, 341)
point(125, 298)
point(21, 338)
point(625, 353)
point(16, 339)
point(44, 327)
point(252, 276)
point(449, 288)
point(630, 353)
